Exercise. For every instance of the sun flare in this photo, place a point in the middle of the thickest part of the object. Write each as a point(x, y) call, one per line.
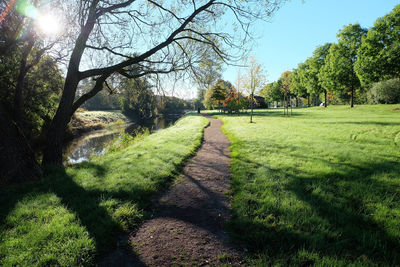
point(48, 24)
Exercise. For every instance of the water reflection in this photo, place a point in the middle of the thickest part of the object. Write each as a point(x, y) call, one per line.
point(96, 143)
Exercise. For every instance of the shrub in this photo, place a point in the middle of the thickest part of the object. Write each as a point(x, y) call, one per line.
point(385, 92)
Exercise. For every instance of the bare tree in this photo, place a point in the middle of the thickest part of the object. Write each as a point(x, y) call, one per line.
point(160, 37)
point(239, 82)
point(255, 80)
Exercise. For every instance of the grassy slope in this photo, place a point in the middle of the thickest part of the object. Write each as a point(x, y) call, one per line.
point(321, 187)
point(71, 215)
point(101, 116)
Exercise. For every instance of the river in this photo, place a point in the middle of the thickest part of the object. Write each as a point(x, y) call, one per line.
point(96, 142)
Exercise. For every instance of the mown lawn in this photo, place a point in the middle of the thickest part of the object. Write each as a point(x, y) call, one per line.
point(76, 214)
point(319, 188)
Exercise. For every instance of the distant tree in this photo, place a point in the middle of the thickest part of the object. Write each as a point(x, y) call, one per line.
point(266, 92)
point(338, 71)
point(138, 100)
point(315, 63)
point(272, 91)
point(286, 85)
point(198, 101)
point(106, 99)
point(305, 78)
point(297, 87)
point(217, 93)
point(378, 57)
point(254, 81)
point(209, 102)
point(171, 105)
point(235, 101)
point(207, 74)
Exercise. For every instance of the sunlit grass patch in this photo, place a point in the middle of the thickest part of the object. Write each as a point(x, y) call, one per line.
point(318, 188)
point(76, 214)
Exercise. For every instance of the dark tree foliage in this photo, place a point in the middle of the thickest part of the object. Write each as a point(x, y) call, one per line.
point(137, 99)
point(170, 105)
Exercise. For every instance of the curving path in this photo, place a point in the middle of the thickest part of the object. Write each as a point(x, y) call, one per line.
point(187, 227)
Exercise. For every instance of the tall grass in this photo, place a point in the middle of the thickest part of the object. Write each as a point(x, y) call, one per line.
point(319, 188)
point(72, 215)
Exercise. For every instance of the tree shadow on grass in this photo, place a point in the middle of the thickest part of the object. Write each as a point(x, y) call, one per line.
point(373, 123)
point(259, 113)
point(337, 222)
point(87, 204)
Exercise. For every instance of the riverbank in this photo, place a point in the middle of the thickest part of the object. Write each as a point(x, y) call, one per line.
point(96, 142)
point(73, 215)
point(87, 121)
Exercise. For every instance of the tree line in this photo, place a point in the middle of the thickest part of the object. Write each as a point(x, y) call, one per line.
point(363, 66)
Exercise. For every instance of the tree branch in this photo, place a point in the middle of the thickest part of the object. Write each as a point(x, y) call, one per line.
point(152, 51)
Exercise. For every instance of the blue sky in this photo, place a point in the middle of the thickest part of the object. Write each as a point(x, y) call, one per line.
point(300, 26)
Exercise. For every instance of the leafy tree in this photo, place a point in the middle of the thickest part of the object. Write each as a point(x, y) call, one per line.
point(216, 94)
point(208, 101)
point(198, 101)
point(300, 80)
point(338, 71)
point(272, 91)
point(315, 63)
point(266, 92)
point(297, 87)
point(105, 100)
point(235, 101)
point(379, 54)
point(286, 81)
point(138, 99)
point(171, 105)
point(39, 92)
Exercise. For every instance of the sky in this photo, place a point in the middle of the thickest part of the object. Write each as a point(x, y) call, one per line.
point(301, 25)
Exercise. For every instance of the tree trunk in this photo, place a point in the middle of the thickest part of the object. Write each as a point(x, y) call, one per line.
point(17, 160)
point(309, 100)
point(252, 103)
point(325, 94)
point(18, 95)
point(352, 98)
point(18, 101)
point(52, 153)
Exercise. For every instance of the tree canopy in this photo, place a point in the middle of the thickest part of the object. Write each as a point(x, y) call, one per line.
point(379, 54)
point(338, 71)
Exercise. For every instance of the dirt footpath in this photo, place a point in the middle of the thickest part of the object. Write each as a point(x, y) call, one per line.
point(187, 227)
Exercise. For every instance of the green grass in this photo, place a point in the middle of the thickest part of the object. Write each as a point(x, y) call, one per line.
point(76, 214)
point(101, 116)
point(319, 188)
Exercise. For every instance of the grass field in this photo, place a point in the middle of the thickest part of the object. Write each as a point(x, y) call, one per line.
point(73, 215)
point(319, 188)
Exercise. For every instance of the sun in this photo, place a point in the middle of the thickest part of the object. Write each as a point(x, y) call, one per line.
point(48, 24)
